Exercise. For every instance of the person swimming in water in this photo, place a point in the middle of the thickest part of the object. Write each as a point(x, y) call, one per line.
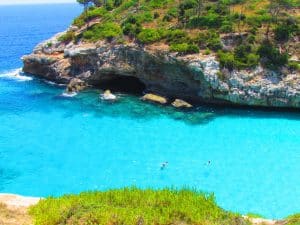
point(163, 165)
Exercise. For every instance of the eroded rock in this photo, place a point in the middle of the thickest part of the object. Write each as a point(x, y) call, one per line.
point(196, 76)
point(76, 85)
point(107, 95)
point(178, 103)
point(154, 98)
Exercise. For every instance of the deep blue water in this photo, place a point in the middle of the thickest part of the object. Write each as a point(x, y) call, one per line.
point(51, 145)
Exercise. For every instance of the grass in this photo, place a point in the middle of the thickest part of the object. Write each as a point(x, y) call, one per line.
point(134, 206)
point(293, 220)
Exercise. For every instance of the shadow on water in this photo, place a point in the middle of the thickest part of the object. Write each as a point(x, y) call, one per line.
point(40, 96)
point(133, 107)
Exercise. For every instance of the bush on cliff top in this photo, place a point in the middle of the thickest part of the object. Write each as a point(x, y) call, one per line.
point(149, 36)
point(196, 23)
point(184, 48)
point(103, 31)
point(133, 206)
point(67, 37)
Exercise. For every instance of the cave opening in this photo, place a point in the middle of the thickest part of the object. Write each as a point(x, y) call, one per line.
point(123, 84)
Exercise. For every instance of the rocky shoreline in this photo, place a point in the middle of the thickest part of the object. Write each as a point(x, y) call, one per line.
point(193, 78)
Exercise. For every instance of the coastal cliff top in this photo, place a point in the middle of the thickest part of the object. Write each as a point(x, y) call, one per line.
point(126, 206)
point(241, 33)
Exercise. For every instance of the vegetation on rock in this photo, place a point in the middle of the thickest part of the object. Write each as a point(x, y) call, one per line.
point(265, 31)
point(134, 206)
point(137, 206)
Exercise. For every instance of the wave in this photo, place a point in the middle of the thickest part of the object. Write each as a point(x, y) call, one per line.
point(15, 74)
point(53, 83)
point(69, 95)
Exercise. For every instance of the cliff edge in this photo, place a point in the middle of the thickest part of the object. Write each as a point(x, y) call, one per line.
point(210, 52)
point(194, 77)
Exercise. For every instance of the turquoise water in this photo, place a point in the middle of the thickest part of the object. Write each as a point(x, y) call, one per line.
point(51, 145)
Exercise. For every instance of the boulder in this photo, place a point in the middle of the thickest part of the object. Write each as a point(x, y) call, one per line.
point(178, 103)
point(107, 95)
point(154, 98)
point(76, 85)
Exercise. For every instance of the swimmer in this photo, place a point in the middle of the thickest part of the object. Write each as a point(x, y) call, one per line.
point(208, 163)
point(163, 165)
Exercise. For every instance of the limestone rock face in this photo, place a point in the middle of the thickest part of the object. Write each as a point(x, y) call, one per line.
point(154, 98)
point(193, 77)
point(178, 103)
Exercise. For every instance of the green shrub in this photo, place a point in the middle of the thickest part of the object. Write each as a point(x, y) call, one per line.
point(294, 66)
point(209, 39)
point(211, 20)
point(95, 12)
point(293, 220)
point(226, 27)
point(109, 5)
point(67, 37)
point(187, 4)
point(49, 44)
point(214, 44)
point(171, 14)
point(270, 55)
point(226, 60)
point(254, 21)
point(251, 39)
point(242, 58)
point(132, 30)
point(107, 31)
point(133, 206)
point(254, 215)
point(284, 31)
point(149, 36)
point(79, 21)
point(207, 51)
point(145, 17)
point(184, 48)
point(158, 3)
point(252, 60)
point(117, 3)
point(177, 36)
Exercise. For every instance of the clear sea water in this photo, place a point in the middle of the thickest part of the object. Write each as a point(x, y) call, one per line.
point(51, 145)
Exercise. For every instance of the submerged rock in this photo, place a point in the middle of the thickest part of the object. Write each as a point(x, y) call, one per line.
point(178, 103)
point(155, 98)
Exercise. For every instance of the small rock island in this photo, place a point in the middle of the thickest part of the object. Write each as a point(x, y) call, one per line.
point(222, 52)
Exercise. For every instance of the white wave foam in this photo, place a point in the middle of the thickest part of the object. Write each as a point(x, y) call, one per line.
point(53, 83)
point(69, 95)
point(50, 82)
point(15, 74)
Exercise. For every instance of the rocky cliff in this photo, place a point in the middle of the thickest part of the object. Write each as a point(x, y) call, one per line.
point(193, 77)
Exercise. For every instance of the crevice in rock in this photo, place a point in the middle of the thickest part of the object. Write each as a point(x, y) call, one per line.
point(121, 83)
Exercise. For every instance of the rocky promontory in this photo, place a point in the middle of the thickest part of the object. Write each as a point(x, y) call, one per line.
point(193, 77)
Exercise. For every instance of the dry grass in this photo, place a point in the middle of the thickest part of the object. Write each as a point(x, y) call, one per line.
point(14, 215)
